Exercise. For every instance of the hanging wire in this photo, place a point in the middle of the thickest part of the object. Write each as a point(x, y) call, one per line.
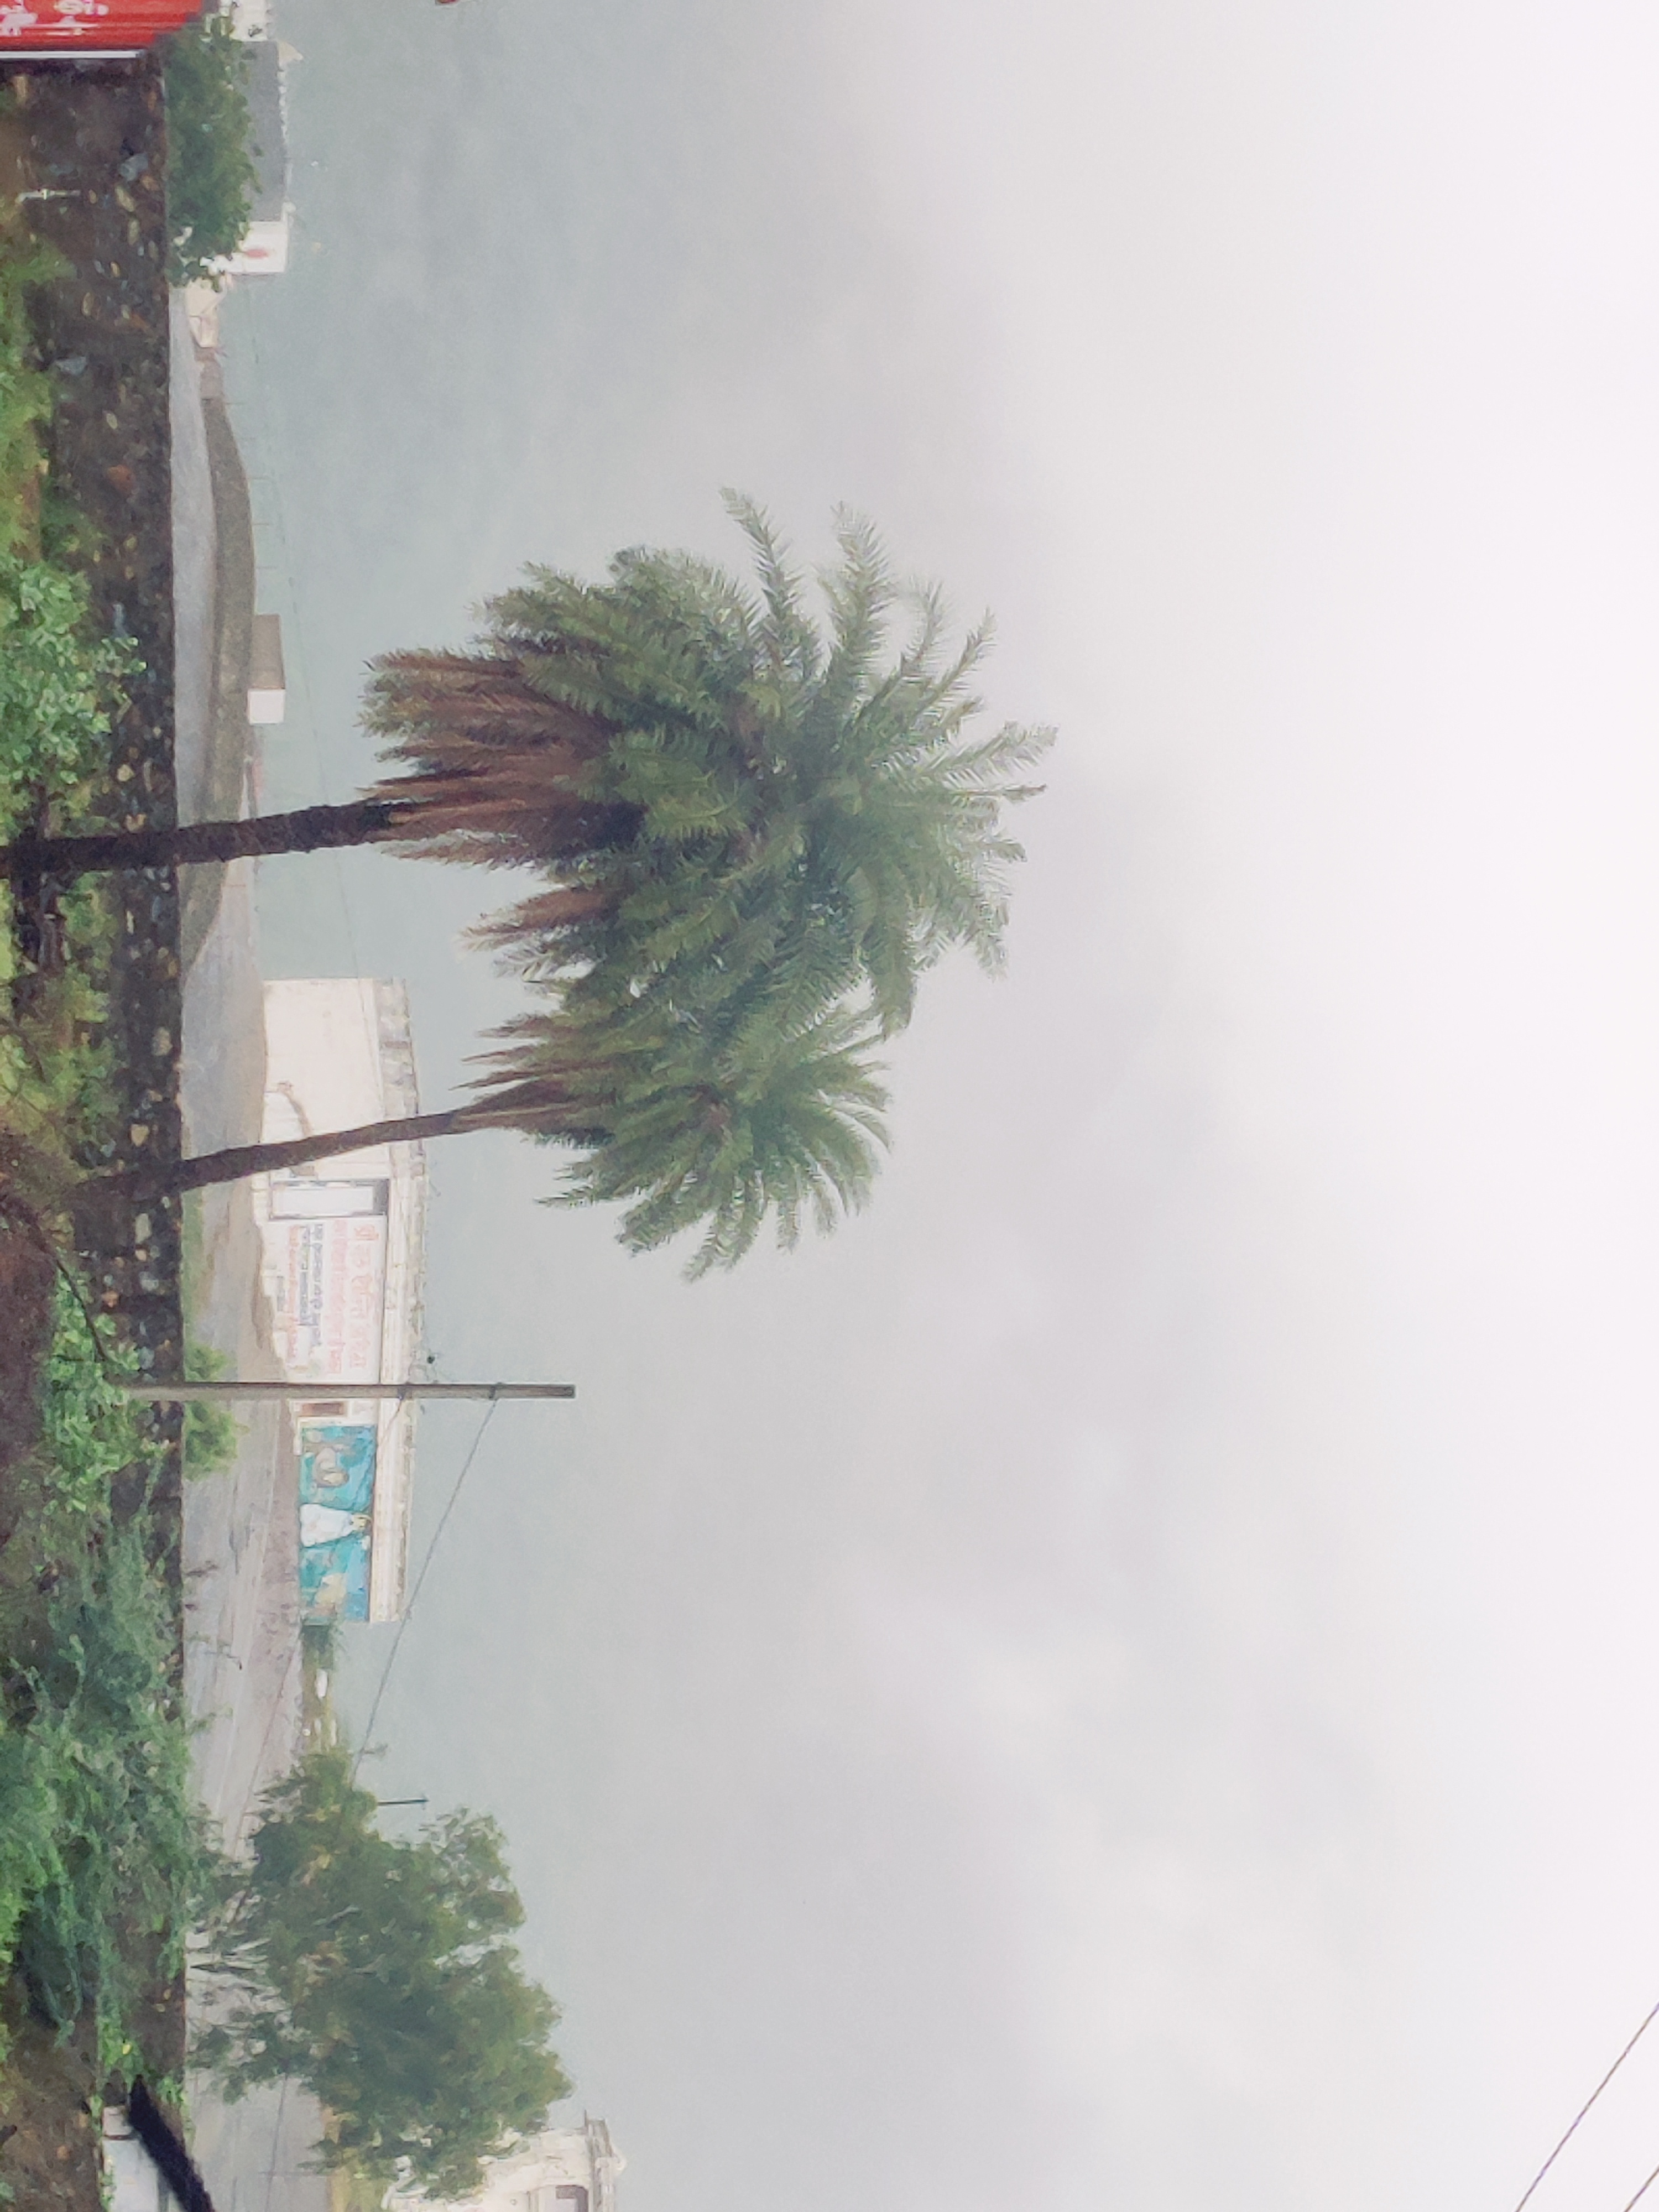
point(1583, 2111)
point(1643, 2190)
point(420, 1581)
point(276, 2142)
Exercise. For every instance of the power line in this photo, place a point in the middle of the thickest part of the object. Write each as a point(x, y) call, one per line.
point(1584, 2110)
point(1643, 2190)
point(420, 1581)
point(276, 2142)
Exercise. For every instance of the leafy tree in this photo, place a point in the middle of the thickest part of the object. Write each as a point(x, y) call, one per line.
point(210, 178)
point(807, 808)
point(687, 1128)
point(712, 781)
point(755, 832)
point(380, 1974)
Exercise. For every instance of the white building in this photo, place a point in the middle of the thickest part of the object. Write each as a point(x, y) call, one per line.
point(264, 251)
point(564, 2170)
point(344, 1257)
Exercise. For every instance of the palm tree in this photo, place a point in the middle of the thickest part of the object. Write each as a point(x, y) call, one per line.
point(809, 810)
point(704, 776)
point(685, 1128)
point(755, 835)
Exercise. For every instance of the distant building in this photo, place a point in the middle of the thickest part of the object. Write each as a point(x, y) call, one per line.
point(264, 248)
point(564, 2170)
point(267, 685)
point(345, 1263)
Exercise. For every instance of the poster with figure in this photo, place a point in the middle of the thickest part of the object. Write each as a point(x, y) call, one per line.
point(337, 1501)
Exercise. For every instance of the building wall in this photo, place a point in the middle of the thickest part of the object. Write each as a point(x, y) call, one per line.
point(564, 2170)
point(339, 1053)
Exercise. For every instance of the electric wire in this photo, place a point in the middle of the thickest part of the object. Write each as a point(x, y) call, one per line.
point(420, 1581)
point(1583, 2111)
point(276, 2142)
point(1643, 2190)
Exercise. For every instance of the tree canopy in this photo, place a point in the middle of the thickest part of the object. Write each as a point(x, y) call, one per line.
point(210, 180)
point(756, 829)
point(783, 804)
point(380, 1974)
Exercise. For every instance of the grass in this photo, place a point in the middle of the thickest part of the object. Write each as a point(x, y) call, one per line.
point(104, 1860)
point(213, 1434)
point(25, 392)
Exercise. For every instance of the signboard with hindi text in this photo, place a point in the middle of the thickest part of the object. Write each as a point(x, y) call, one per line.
point(326, 1267)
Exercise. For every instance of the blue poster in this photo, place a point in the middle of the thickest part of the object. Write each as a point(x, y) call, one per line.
point(337, 1499)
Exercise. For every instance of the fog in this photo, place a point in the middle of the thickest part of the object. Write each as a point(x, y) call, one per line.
point(1127, 1675)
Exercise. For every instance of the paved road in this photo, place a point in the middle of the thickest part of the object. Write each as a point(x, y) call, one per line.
point(242, 1674)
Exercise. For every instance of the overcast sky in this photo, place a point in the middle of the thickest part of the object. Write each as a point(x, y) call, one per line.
point(1130, 1677)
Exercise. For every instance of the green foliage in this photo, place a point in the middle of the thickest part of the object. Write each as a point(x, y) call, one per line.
point(25, 393)
point(700, 1124)
point(211, 179)
point(90, 1432)
point(55, 1060)
point(380, 1974)
point(780, 822)
point(104, 1864)
point(213, 1435)
point(813, 819)
point(59, 685)
point(760, 827)
point(96, 1807)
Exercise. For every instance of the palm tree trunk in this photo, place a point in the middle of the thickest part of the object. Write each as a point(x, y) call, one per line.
point(236, 1161)
point(32, 857)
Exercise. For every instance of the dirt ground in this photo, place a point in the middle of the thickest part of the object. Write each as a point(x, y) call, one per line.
point(51, 2154)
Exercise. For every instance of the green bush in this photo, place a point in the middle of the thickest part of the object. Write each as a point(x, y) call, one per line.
point(213, 1434)
point(104, 1855)
point(59, 685)
point(25, 393)
point(210, 175)
point(104, 1864)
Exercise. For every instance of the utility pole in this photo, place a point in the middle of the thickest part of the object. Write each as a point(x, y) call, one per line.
point(189, 1394)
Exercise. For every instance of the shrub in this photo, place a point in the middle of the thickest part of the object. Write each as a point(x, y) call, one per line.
point(105, 1863)
point(213, 1434)
point(210, 175)
point(58, 686)
point(103, 1858)
point(25, 393)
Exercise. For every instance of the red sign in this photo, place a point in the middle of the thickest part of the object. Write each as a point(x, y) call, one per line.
point(90, 26)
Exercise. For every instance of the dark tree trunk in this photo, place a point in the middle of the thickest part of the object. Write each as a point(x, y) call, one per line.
point(236, 1161)
point(33, 858)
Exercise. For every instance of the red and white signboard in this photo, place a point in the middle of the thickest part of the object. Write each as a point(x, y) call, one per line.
point(90, 26)
point(325, 1252)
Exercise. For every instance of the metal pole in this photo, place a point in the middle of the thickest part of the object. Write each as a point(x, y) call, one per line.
point(185, 1394)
